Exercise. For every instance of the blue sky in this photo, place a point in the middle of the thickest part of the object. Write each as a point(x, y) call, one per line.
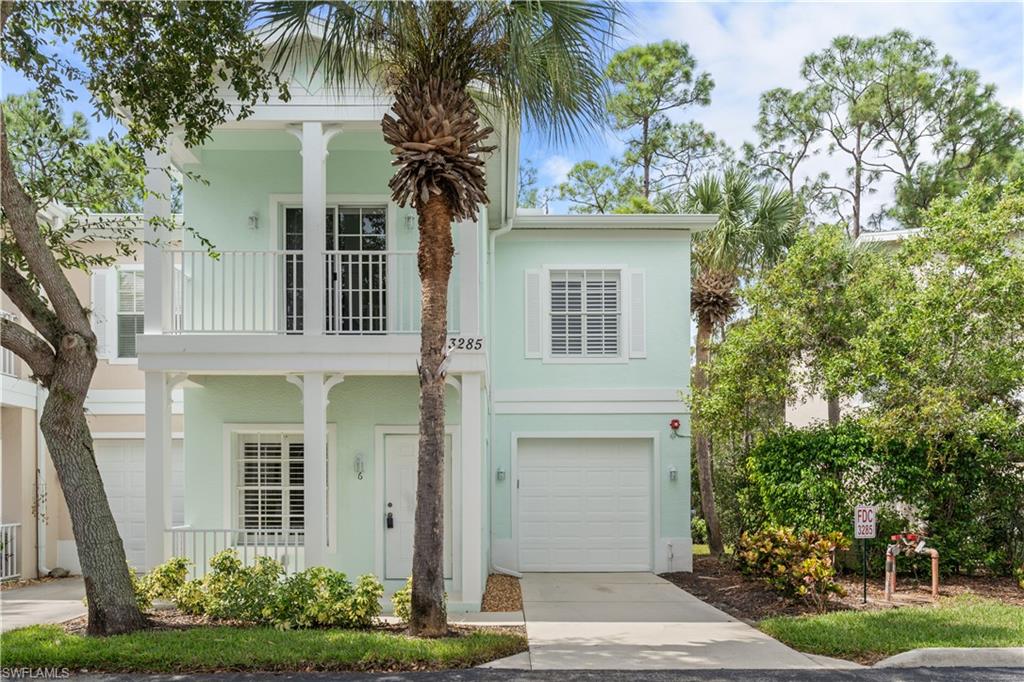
point(750, 47)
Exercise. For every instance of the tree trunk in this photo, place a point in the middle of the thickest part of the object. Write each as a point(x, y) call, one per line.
point(833, 410)
point(428, 616)
point(702, 442)
point(646, 158)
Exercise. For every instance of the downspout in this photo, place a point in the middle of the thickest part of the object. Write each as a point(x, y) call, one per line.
point(41, 493)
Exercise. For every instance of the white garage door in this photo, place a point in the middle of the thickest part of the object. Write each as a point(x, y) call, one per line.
point(122, 464)
point(584, 504)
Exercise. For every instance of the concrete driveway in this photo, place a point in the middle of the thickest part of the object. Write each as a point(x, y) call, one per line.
point(637, 621)
point(50, 602)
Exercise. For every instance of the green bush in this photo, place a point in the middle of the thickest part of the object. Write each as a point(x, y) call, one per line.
point(698, 530)
point(797, 564)
point(401, 601)
point(315, 597)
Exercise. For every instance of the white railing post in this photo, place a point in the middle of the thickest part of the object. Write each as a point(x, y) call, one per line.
point(9, 552)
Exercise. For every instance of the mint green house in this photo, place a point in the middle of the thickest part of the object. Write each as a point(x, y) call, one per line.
point(295, 351)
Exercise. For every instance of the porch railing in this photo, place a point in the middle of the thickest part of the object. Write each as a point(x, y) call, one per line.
point(198, 545)
point(261, 292)
point(9, 569)
point(7, 358)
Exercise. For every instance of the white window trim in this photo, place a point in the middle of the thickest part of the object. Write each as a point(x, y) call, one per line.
point(111, 293)
point(545, 316)
point(231, 434)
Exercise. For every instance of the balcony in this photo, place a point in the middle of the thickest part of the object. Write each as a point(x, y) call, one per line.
point(261, 292)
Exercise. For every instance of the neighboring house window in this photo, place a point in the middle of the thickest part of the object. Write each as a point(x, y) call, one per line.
point(270, 480)
point(130, 289)
point(585, 314)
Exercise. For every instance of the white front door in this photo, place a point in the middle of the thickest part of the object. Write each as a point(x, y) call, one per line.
point(400, 455)
point(585, 504)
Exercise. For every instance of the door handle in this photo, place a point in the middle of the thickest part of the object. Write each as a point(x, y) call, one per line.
point(390, 520)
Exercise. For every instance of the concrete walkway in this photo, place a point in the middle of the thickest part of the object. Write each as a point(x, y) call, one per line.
point(638, 621)
point(49, 602)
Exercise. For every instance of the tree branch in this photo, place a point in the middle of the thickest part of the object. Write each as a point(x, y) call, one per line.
point(30, 303)
point(30, 348)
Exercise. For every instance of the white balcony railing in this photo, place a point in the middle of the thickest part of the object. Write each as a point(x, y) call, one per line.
point(7, 357)
point(261, 292)
point(9, 569)
point(198, 545)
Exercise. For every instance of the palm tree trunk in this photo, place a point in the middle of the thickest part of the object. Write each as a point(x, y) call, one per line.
point(702, 441)
point(108, 588)
point(428, 617)
point(833, 410)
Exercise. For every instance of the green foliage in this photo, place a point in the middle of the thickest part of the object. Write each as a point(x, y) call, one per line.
point(262, 594)
point(797, 564)
point(401, 601)
point(810, 478)
point(597, 188)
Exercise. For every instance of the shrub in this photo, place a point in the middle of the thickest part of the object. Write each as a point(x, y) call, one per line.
point(401, 600)
point(321, 597)
point(237, 592)
point(191, 598)
point(797, 564)
point(698, 530)
point(164, 581)
point(364, 605)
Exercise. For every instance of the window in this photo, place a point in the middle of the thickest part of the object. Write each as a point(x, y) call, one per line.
point(130, 290)
point(585, 314)
point(270, 479)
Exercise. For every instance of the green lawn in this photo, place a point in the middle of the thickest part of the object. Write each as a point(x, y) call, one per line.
point(868, 636)
point(265, 649)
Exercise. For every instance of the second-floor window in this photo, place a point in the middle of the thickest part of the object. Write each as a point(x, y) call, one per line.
point(130, 289)
point(585, 314)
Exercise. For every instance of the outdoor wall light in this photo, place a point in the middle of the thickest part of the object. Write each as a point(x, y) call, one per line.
point(500, 474)
point(254, 220)
point(358, 466)
point(673, 473)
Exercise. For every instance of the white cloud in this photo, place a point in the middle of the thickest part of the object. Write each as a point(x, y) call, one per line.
point(554, 169)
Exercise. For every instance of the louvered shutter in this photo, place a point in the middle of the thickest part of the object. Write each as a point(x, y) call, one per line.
point(637, 314)
point(533, 321)
point(103, 316)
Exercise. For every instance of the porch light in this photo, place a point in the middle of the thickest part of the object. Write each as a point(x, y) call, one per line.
point(254, 220)
point(358, 466)
point(673, 473)
point(500, 474)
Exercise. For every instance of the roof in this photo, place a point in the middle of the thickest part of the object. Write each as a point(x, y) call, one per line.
point(888, 236)
point(691, 222)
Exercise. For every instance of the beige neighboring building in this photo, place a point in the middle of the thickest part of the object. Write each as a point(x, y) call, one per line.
point(35, 528)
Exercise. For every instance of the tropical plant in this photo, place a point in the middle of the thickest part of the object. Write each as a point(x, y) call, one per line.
point(158, 67)
point(755, 225)
point(532, 61)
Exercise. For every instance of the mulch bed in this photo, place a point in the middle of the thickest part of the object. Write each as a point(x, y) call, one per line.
point(502, 594)
point(725, 588)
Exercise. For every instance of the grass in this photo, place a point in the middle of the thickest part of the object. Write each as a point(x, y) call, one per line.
point(869, 636)
point(243, 649)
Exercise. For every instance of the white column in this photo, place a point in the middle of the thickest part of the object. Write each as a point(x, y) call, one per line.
point(158, 468)
point(469, 278)
point(314, 206)
point(314, 425)
point(156, 204)
point(472, 490)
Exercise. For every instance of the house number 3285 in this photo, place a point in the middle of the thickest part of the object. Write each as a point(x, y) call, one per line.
point(465, 343)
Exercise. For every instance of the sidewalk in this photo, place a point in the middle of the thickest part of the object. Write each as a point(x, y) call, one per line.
point(49, 602)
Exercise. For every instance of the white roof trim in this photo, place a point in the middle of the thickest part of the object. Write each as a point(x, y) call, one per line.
point(693, 222)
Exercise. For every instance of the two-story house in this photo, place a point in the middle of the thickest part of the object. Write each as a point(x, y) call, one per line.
point(294, 346)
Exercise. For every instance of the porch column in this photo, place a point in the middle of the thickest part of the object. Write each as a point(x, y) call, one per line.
point(468, 282)
point(158, 468)
point(314, 208)
point(156, 205)
point(472, 490)
point(314, 427)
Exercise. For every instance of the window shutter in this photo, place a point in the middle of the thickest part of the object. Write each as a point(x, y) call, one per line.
point(103, 316)
point(637, 314)
point(533, 307)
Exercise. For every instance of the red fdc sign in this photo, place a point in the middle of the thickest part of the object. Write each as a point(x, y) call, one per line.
point(864, 522)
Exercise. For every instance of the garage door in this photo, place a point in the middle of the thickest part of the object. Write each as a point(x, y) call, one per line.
point(584, 504)
point(122, 464)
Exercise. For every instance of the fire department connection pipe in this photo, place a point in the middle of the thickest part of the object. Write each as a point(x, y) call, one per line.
point(890, 570)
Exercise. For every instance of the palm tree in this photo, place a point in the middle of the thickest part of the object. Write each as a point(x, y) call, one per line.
point(533, 60)
point(755, 226)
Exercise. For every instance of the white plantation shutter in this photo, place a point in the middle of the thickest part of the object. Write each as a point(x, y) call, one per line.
point(103, 316)
point(637, 314)
point(533, 307)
